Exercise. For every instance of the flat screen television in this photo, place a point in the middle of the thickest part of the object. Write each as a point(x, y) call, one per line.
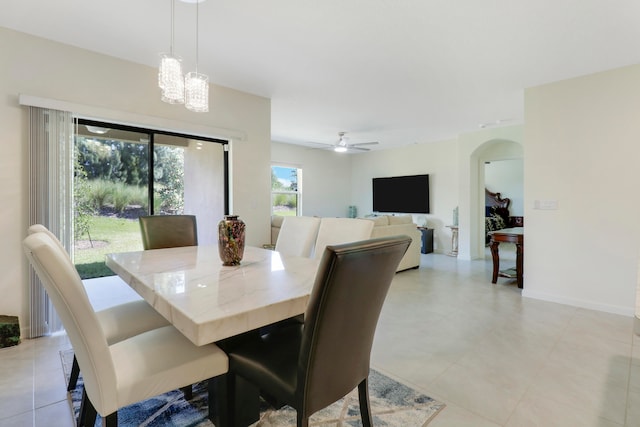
point(401, 194)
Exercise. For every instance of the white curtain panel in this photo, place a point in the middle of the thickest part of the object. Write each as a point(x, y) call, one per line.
point(50, 199)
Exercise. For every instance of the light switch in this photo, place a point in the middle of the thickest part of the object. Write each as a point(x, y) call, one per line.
point(548, 205)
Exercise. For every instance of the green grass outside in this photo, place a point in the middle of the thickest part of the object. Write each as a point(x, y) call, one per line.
point(109, 235)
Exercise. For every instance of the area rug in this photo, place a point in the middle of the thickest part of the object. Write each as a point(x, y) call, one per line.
point(393, 405)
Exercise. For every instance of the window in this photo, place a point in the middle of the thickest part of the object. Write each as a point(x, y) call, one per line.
point(286, 190)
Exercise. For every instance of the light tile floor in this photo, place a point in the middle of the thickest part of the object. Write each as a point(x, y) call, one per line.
point(495, 358)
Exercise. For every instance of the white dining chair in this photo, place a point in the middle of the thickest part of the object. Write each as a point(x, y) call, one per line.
point(135, 369)
point(335, 231)
point(297, 235)
point(118, 322)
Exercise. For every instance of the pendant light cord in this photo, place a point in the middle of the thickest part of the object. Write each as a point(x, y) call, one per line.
point(173, 12)
point(197, 23)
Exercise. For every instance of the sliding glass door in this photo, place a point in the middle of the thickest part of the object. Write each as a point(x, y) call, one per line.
point(123, 172)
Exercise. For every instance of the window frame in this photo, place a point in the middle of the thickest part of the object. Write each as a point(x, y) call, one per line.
point(297, 192)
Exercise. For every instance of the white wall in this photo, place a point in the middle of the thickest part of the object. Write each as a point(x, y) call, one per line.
point(583, 151)
point(438, 159)
point(326, 178)
point(107, 88)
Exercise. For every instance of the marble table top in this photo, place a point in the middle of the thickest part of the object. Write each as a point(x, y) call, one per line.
point(208, 302)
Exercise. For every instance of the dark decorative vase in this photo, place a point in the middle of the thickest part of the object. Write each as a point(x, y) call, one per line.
point(231, 240)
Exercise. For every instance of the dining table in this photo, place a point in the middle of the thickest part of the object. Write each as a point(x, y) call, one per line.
point(209, 302)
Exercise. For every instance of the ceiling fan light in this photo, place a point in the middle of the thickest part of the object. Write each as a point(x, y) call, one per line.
point(97, 129)
point(340, 149)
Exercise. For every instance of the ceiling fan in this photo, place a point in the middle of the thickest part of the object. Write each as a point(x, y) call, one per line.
point(342, 144)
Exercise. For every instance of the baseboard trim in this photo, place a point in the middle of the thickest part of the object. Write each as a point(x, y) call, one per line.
point(624, 311)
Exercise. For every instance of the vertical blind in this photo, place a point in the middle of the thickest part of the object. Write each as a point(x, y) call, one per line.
point(50, 199)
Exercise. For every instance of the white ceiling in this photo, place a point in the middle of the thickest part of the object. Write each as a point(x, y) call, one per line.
point(395, 71)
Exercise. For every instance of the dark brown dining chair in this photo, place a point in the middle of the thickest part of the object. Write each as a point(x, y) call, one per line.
point(168, 231)
point(312, 365)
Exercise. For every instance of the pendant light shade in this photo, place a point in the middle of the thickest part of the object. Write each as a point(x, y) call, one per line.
point(196, 89)
point(170, 79)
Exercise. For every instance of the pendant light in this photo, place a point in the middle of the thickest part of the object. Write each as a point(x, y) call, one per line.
point(196, 85)
point(170, 77)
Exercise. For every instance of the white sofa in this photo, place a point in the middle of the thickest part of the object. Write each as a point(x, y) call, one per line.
point(383, 226)
point(276, 224)
point(388, 225)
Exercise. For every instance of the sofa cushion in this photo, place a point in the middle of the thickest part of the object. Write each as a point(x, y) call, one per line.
point(379, 221)
point(401, 219)
point(380, 227)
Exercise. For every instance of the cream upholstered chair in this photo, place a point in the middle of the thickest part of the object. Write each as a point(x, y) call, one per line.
point(297, 235)
point(168, 231)
point(126, 372)
point(335, 231)
point(118, 322)
point(311, 365)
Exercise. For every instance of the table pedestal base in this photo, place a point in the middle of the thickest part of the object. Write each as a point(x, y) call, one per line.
point(247, 403)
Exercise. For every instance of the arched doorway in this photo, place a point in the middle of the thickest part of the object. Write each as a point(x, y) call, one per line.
point(492, 150)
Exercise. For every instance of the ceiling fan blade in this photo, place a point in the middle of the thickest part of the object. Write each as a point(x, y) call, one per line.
point(319, 146)
point(364, 143)
point(355, 148)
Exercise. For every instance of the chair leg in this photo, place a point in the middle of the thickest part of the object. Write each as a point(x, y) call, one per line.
point(302, 421)
point(73, 377)
point(365, 407)
point(188, 392)
point(87, 414)
point(110, 420)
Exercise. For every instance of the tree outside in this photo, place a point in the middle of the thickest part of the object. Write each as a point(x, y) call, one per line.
point(111, 192)
point(284, 190)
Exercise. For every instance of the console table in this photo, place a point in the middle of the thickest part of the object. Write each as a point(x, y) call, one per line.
point(510, 235)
